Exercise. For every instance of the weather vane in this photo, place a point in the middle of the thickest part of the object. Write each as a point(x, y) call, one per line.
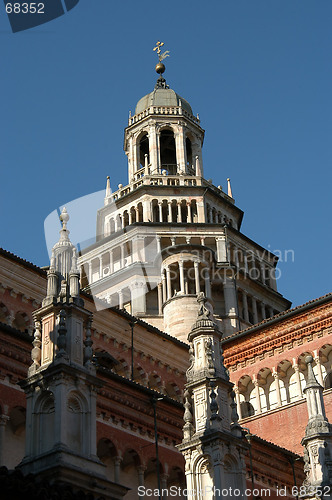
point(161, 55)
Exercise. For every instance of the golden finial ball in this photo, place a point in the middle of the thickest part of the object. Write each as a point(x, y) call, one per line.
point(160, 68)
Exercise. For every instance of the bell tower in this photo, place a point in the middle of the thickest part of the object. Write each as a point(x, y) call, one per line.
point(170, 234)
point(163, 137)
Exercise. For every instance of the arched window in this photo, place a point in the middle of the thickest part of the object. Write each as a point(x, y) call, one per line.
point(143, 150)
point(168, 152)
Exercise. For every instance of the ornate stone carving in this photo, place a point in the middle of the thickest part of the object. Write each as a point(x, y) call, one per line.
point(62, 331)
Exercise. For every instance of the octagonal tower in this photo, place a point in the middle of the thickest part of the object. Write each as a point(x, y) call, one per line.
point(154, 234)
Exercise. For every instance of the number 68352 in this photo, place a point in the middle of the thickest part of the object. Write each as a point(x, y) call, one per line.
point(25, 8)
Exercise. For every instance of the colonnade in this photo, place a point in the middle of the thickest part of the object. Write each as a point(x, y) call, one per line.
point(215, 216)
point(253, 310)
point(107, 263)
point(278, 387)
point(183, 277)
point(174, 211)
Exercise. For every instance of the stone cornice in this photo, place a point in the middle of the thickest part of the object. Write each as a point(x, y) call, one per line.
point(282, 336)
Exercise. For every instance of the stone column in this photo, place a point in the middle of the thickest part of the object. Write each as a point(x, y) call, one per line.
point(181, 276)
point(254, 309)
point(263, 310)
point(117, 462)
point(120, 293)
point(173, 241)
point(136, 164)
point(153, 148)
point(146, 164)
point(238, 403)
point(147, 213)
point(100, 268)
point(160, 204)
point(276, 378)
point(158, 152)
point(138, 249)
point(130, 159)
point(138, 302)
point(273, 281)
point(180, 150)
point(111, 262)
point(163, 483)
point(271, 312)
point(158, 244)
point(263, 273)
point(121, 256)
point(189, 213)
point(130, 217)
point(245, 306)
point(140, 471)
point(90, 271)
point(163, 280)
point(137, 214)
point(197, 283)
point(221, 249)
point(258, 398)
point(169, 286)
point(4, 419)
point(179, 212)
point(198, 169)
point(202, 241)
point(207, 283)
point(230, 297)
point(236, 255)
point(169, 215)
point(298, 379)
point(160, 298)
point(245, 258)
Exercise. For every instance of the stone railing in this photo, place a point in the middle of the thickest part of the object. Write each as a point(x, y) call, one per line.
point(163, 180)
point(162, 110)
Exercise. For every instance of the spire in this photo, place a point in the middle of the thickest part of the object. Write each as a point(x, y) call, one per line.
point(211, 421)
point(108, 187)
point(318, 438)
point(63, 278)
point(229, 188)
point(315, 403)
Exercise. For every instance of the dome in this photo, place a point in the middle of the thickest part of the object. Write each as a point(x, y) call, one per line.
point(162, 97)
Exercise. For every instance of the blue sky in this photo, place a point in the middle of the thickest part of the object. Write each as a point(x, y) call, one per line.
point(257, 72)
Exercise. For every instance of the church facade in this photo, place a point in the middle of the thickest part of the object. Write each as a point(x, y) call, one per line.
point(163, 356)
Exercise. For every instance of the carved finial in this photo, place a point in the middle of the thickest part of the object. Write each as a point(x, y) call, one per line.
point(187, 417)
point(229, 187)
point(204, 312)
point(108, 187)
point(64, 217)
point(36, 351)
point(311, 379)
